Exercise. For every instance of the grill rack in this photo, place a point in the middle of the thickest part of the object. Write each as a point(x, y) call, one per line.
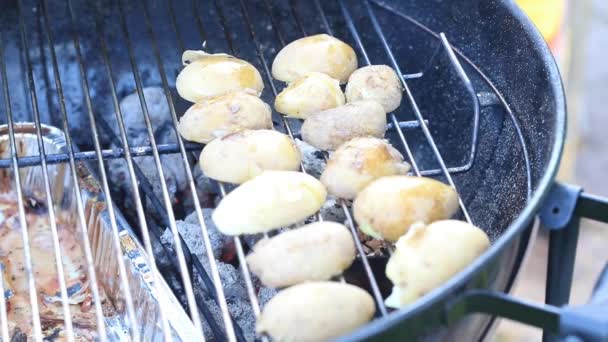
point(184, 149)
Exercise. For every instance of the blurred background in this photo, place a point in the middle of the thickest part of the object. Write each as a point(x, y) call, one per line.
point(577, 33)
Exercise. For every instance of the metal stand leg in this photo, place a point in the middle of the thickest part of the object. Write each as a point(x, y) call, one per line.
point(560, 266)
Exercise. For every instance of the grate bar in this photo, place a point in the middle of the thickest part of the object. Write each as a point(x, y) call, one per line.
point(255, 305)
point(140, 213)
point(134, 324)
point(409, 94)
point(67, 316)
point(414, 105)
point(351, 224)
point(79, 202)
point(139, 151)
point(22, 221)
point(488, 82)
point(221, 297)
point(184, 272)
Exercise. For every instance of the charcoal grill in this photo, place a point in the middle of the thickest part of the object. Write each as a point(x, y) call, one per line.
point(483, 111)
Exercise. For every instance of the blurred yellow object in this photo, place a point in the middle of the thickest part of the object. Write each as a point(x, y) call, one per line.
point(547, 15)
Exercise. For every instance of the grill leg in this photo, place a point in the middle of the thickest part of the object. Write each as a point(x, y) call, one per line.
point(560, 266)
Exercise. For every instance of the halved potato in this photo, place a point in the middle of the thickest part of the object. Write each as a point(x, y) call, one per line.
point(309, 94)
point(388, 206)
point(331, 128)
point(377, 83)
point(320, 53)
point(223, 115)
point(315, 311)
point(427, 256)
point(358, 162)
point(272, 200)
point(316, 251)
point(240, 156)
point(210, 75)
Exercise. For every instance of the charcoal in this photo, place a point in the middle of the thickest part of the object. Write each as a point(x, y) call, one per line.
point(135, 125)
point(265, 294)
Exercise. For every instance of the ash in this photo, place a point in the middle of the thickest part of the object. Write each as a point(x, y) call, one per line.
point(313, 159)
point(233, 282)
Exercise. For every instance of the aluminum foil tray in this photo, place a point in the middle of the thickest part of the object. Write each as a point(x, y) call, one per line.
point(146, 296)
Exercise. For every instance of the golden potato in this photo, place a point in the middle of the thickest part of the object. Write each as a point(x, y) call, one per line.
point(320, 53)
point(223, 115)
point(427, 256)
point(269, 201)
point(210, 75)
point(309, 94)
point(388, 206)
point(358, 162)
point(316, 251)
point(376, 83)
point(240, 156)
point(315, 311)
point(331, 128)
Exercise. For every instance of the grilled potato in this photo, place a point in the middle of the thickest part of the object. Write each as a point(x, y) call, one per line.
point(377, 83)
point(388, 206)
point(315, 311)
point(240, 156)
point(358, 162)
point(316, 251)
point(320, 53)
point(271, 200)
point(415, 268)
point(309, 94)
point(222, 115)
point(210, 75)
point(331, 128)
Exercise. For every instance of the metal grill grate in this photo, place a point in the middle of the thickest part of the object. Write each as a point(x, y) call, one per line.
point(184, 261)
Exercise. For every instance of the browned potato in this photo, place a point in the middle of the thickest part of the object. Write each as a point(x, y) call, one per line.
point(320, 53)
point(269, 201)
point(309, 94)
point(316, 251)
point(376, 83)
point(240, 156)
point(209, 75)
point(223, 115)
point(388, 206)
point(358, 162)
point(315, 311)
point(331, 128)
point(427, 256)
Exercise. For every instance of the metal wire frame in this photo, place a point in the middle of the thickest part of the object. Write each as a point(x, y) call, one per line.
point(22, 221)
point(134, 324)
point(183, 148)
point(67, 316)
point(221, 299)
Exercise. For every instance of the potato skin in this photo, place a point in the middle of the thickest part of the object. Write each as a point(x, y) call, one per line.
point(329, 129)
point(240, 156)
point(269, 201)
point(320, 53)
point(316, 251)
point(315, 311)
point(208, 75)
point(223, 115)
point(358, 162)
point(377, 83)
point(416, 267)
point(388, 206)
point(309, 94)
